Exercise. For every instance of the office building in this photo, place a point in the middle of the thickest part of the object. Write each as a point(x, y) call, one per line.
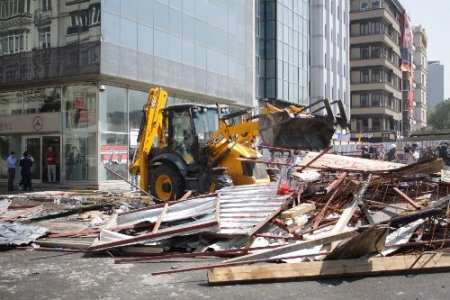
point(376, 73)
point(75, 75)
point(435, 83)
point(420, 78)
point(330, 64)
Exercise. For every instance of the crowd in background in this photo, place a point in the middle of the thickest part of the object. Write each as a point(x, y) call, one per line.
point(411, 153)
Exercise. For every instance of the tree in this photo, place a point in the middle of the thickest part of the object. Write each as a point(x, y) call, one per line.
point(439, 116)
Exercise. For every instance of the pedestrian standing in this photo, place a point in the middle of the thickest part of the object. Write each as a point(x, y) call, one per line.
point(11, 162)
point(51, 165)
point(26, 163)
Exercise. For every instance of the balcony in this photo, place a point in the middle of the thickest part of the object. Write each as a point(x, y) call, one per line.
point(375, 85)
point(375, 13)
point(357, 62)
point(43, 16)
point(376, 38)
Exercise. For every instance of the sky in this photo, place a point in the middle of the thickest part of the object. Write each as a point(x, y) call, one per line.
point(434, 16)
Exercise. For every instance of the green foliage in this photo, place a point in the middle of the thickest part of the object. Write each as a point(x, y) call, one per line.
point(439, 116)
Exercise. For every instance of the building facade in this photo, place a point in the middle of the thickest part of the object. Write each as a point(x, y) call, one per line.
point(330, 63)
point(74, 75)
point(435, 83)
point(420, 78)
point(376, 74)
point(54, 56)
point(282, 48)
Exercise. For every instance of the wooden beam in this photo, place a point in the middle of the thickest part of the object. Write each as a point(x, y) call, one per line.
point(300, 209)
point(160, 219)
point(331, 268)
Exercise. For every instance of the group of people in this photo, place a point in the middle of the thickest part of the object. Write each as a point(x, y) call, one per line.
point(26, 163)
point(412, 153)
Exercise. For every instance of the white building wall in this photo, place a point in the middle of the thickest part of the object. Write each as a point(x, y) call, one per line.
point(329, 39)
point(420, 78)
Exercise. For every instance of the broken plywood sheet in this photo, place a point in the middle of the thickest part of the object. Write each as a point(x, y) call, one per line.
point(331, 268)
point(339, 162)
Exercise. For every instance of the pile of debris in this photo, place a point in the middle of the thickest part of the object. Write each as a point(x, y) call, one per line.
point(359, 217)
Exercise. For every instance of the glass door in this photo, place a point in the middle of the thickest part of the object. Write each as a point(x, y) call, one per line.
point(33, 145)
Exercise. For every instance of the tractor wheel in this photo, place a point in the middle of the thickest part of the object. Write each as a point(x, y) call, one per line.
point(167, 184)
point(219, 181)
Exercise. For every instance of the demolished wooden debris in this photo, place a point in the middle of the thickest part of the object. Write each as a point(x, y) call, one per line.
point(331, 268)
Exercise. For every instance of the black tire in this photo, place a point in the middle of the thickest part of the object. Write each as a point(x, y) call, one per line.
point(166, 183)
point(219, 181)
point(274, 174)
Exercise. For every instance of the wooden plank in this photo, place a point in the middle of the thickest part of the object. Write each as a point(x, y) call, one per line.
point(160, 219)
point(332, 268)
point(298, 210)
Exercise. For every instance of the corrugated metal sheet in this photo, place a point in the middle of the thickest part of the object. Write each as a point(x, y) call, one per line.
point(244, 207)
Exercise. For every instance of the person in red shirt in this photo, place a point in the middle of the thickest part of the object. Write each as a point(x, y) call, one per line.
point(51, 165)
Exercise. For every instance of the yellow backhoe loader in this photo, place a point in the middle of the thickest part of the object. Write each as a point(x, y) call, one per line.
point(194, 146)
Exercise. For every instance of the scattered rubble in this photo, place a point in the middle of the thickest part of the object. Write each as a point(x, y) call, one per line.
point(341, 216)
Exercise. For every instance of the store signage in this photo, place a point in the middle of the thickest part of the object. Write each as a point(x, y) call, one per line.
point(5, 126)
point(45, 122)
point(38, 123)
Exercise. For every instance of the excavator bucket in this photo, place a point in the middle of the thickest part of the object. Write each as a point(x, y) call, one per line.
point(285, 130)
point(301, 130)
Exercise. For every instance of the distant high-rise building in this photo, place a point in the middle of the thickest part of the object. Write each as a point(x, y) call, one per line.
point(435, 83)
point(420, 78)
point(330, 72)
point(376, 75)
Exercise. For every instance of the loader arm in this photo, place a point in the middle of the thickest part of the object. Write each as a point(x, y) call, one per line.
point(151, 126)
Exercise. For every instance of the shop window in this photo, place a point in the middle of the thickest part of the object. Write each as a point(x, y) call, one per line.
point(80, 155)
point(43, 100)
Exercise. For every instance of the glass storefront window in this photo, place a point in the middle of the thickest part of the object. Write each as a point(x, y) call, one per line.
point(11, 103)
point(113, 156)
point(42, 100)
point(8, 144)
point(80, 132)
point(114, 114)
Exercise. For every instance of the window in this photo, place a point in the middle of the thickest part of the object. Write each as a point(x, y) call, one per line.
point(364, 100)
point(376, 4)
point(14, 43)
point(44, 38)
point(376, 100)
point(364, 29)
point(364, 52)
point(376, 76)
point(375, 52)
point(365, 76)
point(377, 27)
point(363, 5)
point(376, 124)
